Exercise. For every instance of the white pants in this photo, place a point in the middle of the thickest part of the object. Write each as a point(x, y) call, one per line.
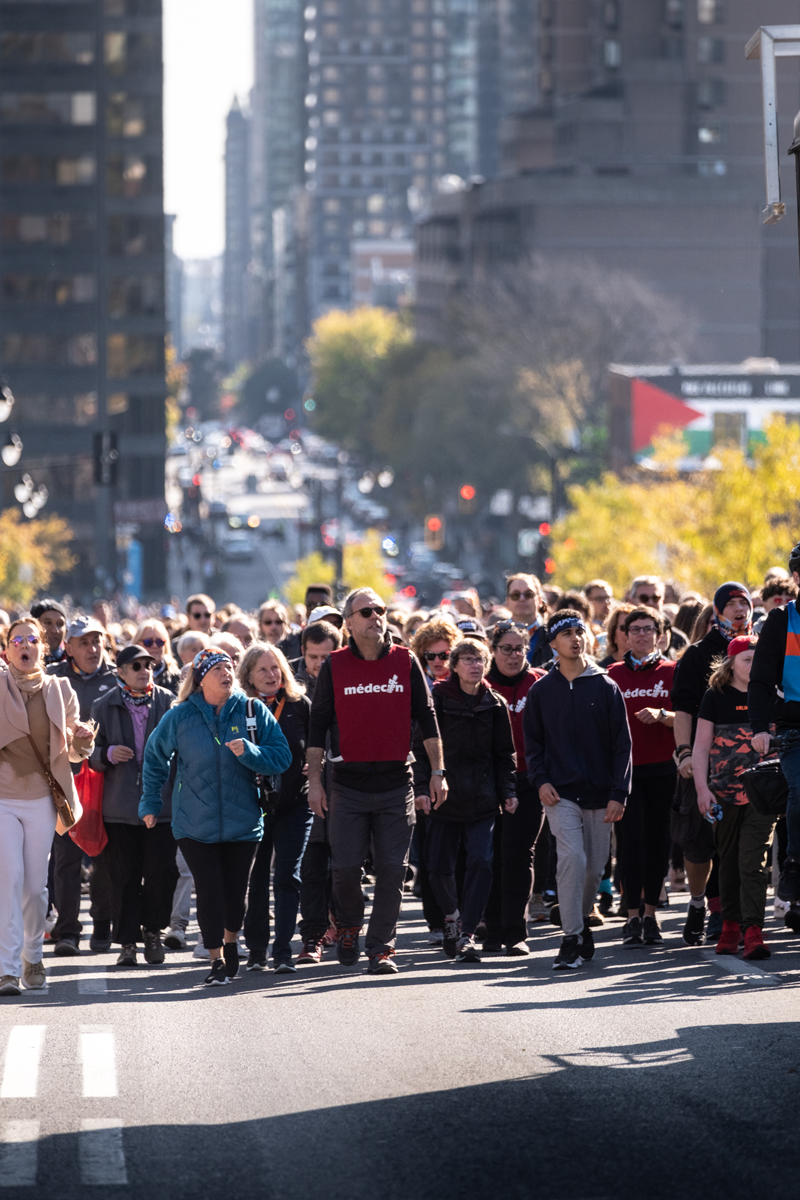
point(26, 835)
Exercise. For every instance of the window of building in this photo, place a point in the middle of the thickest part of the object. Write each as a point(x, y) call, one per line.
point(128, 354)
point(710, 93)
point(710, 50)
point(612, 53)
point(36, 349)
point(710, 12)
point(132, 175)
point(332, 205)
point(48, 289)
point(133, 52)
point(135, 296)
point(54, 229)
point(673, 13)
point(133, 8)
point(134, 237)
point(47, 108)
point(709, 135)
point(47, 47)
point(132, 116)
point(46, 408)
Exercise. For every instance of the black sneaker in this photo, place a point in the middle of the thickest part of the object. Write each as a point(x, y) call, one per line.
point(452, 932)
point(257, 961)
point(791, 920)
point(347, 947)
point(555, 915)
point(284, 966)
point(466, 950)
point(789, 882)
point(632, 933)
point(153, 949)
point(218, 975)
point(569, 955)
point(587, 943)
point(605, 903)
point(651, 934)
point(695, 923)
point(492, 945)
point(66, 947)
point(127, 956)
point(230, 954)
point(100, 941)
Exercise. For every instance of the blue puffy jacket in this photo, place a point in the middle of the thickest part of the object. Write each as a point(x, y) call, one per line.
point(214, 798)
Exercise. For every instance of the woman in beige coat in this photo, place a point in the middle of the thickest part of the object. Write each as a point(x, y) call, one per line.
point(45, 708)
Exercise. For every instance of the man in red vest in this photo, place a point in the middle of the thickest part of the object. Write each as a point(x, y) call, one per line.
point(367, 696)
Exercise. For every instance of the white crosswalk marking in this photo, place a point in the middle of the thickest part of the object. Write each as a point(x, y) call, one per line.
point(21, 1072)
point(97, 1057)
point(101, 1153)
point(91, 982)
point(18, 1156)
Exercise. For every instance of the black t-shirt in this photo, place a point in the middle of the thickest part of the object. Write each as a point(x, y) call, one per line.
point(731, 749)
point(725, 707)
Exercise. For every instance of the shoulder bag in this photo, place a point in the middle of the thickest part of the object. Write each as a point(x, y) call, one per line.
point(63, 804)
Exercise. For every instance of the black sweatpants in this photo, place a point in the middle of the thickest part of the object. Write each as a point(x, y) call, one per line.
point(66, 895)
point(431, 909)
point(515, 842)
point(643, 839)
point(221, 871)
point(316, 890)
point(143, 873)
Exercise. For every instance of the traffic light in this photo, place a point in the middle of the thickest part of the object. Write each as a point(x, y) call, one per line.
point(105, 456)
point(466, 499)
point(434, 532)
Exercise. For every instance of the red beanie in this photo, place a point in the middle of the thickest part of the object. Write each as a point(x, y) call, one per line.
point(739, 644)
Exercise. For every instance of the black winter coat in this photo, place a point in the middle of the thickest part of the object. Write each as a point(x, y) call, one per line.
point(122, 788)
point(293, 722)
point(478, 753)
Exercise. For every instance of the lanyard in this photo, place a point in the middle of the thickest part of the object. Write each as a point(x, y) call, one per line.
point(277, 713)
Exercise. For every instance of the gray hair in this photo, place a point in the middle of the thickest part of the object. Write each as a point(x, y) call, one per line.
point(464, 647)
point(347, 607)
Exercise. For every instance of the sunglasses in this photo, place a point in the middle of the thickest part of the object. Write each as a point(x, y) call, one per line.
point(199, 615)
point(378, 609)
point(432, 655)
point(31, 639)
point(643, 597)
point(509, 650)
point(529, 595)
point(139, 664)
point(277, 621)
point(148, 642)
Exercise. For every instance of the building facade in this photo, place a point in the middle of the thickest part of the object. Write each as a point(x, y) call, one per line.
point(642, 150)
point(82, 317)
point(236, 257)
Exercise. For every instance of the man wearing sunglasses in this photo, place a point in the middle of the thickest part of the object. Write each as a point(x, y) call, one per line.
point(526, 603)
point(91, 676)
point(200, 611)
point(367, 696)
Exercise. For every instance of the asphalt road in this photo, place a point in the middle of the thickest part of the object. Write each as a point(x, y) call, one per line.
point(646, 1074)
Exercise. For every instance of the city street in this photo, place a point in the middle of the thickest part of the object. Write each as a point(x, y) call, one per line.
point(644, 1074)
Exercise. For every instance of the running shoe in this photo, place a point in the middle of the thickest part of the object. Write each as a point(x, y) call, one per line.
point(651, 934)
point(452, 932)
point(175, 938)
point(347, 947)
point(695, 923)
point(200, 950)
point(754, 946)
point(34, 975)
point(466, 950)
point(730, 938)
point(127, 956)
point(789, 882)
point(311, 952)
point(791, 919)
point(632, 932)
point(569, 955)
point(555, 915)
point(100, 941)
point(594, 918)
point(587, 943)
point(256, 960)
point(10, 985)
point(492, 945)
point(230, 954)
point(436, 938)
point(66, 947)
point(284, 967)
point(153, 949)
point(382, 964)
point(218, 974)
point(329, 937)
point(518, 950)
point(714, 926)
point(605, 903)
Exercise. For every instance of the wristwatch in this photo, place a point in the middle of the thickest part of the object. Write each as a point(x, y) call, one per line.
point(662, 712)
point(442, 773)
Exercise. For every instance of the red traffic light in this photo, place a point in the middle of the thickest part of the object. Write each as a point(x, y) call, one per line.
point(289, 414)
point(434, 524)
point(196, 480)
point(467, 492)
point(544, 529)
point(549, 566)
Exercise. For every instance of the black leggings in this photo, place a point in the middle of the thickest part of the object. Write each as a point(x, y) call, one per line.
point(643, 839)
point(220, 871)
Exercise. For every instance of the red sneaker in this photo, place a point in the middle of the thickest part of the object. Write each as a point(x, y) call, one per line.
point(329, 937)
point(754, 944)
point(311, 952)
point(729, 938)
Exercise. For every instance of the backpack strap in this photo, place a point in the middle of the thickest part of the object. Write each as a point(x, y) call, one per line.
point(250, 719)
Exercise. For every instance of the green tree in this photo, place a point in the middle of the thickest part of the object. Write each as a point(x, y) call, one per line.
point(31, 554)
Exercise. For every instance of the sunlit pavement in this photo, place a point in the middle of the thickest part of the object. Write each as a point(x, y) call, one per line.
point(646, 1073)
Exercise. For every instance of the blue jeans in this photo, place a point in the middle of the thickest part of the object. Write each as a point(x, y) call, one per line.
point(790, 765)
point(442, 842)
point(287, 835)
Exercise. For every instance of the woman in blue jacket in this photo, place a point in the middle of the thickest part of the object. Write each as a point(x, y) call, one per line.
point(216, 814)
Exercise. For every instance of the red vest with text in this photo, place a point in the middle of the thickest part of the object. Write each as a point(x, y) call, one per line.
point(373, 705)
point(646, 689)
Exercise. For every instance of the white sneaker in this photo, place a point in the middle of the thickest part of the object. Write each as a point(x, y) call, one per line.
point(34, 975)
point(436, 938)
point(175, 938)
point(200, 950)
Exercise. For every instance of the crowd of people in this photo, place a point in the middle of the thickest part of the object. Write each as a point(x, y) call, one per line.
point(541, 756)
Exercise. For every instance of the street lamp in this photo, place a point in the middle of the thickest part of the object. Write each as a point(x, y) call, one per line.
point(12, 450)
point(6, 402)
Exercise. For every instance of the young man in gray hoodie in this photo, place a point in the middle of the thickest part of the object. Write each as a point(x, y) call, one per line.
point(578, 754)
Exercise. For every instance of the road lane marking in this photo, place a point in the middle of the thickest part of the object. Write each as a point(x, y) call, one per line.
point(97, 1056)
point(23, 1052)
point(92, 984)
point(737, 966)
point(19, 1156)
point(101, 1153)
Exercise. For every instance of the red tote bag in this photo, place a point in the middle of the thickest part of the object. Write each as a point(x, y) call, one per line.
point(90, 833)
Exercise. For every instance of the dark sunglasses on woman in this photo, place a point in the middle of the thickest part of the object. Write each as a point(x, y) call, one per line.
point(431, 655)
point(149, 642)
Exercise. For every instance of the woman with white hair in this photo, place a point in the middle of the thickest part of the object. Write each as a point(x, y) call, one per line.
point(153, 637)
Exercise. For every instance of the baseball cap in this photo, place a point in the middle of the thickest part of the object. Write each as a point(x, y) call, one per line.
point(131, 653)
point(323, 612)
point(80, 626)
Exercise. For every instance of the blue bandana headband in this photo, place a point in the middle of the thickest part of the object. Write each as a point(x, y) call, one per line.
point(565, 623)
point(207, 659)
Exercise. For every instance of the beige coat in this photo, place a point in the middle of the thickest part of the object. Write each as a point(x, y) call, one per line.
point(61, 704)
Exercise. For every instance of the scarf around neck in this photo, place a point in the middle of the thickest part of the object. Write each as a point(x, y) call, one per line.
point(726, 628)
point(86, 674)
point(28, 682)
point(641, 664)
point(137, 698)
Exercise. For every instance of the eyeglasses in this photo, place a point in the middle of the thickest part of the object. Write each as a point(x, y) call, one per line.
point(655, 598)
point(509, 650)
point(148, 642)
point(471, 662)
point(139, 664)
point(198, 615)
point(431, 655)
point(32, 639)
point(529, 595)
point(378, 609)
point(277, 621)
point(596, 597)
point(641, 629)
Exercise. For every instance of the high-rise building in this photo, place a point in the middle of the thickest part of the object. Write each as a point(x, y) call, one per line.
point(82, 320)
point(237, 236)
point(173, 277)
point(642, 149)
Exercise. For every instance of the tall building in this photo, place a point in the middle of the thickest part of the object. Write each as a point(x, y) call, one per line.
point(82, 320)
point(237, 236)
point(642, 150)
point(173, 277)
